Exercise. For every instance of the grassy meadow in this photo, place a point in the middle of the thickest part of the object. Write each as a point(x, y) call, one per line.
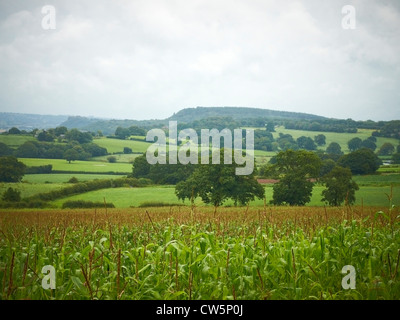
point(30, 189)
point(117, 145)
point(80, 166)
point(63, 177)
point(340, 138)
point(15, 140)
point(134, 197)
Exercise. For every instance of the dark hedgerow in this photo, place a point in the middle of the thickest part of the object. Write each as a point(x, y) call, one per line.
point(148, 204)
point(82, 187)
point(81, 204)
point(41, 200)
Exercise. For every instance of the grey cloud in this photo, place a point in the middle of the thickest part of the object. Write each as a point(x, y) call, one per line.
point(148, 59)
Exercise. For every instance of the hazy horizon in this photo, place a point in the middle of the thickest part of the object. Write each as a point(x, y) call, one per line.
point(148, 59)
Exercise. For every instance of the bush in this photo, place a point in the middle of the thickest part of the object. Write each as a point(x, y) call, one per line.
point(11, 195)
point(361, 161)
point(39, 169)
point(111, 159)
point(144, 182)
point(24, 204)
point(73, 180)
point(147, 204)
point(11, 170)
point(81, 204)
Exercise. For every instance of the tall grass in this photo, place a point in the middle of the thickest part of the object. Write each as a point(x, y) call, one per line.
point(180, 253)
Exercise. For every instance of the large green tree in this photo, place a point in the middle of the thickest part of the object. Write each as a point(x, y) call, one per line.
point(396, 158)
point(5, 150)
point(339, 187)
point(354, 144)
point(71, 155)
point(270, 126)
point(320, 139)
point(45, 136)
point(306, 143)
point(161, 173)
point(215, 183)
point(294, 169)
point(76, 135)
point(361, 161)
point(14, 130)
point(122, 133)
point(386, 149)
point(11, 195)
point(334, 148)
point(369, 143)
point(11, 170)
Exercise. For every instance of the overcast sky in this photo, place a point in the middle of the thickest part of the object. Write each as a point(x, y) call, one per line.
point(150, 58)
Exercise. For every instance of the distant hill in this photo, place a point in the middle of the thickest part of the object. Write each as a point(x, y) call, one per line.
point(78, 122)
point(26, 121)
point(238, 113)
point(107, 127)
point(187, 115)
point(240, 116)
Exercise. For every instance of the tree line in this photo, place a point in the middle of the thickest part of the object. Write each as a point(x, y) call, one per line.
point(58, 143)
point(295, 170)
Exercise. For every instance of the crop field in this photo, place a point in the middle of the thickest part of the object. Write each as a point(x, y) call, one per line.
point(179, 253)
point(154, 246)
point(79, 166)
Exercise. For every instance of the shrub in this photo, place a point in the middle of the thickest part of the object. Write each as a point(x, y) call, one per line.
point(32, 203)
point(73, 180)
point(39, 169)
point(144, 182)
point(147, 204)
point(127, 150)
point(11, 170)
point(11, 195)
point(82, 187)
point(81, 204)
point(111, 159)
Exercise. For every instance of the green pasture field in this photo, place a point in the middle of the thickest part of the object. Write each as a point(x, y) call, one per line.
point(15, 140)
point(142, 138)
point(121, 158)
point(127, 197)
point(367, 195)
point(340, 138)
point(64, 177)
point(79, 166)
point(395, 168)
point(117, 145)
point(378, 180)
point(30, 189)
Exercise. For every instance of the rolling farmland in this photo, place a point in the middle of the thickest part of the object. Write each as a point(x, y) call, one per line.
point(154, 246)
